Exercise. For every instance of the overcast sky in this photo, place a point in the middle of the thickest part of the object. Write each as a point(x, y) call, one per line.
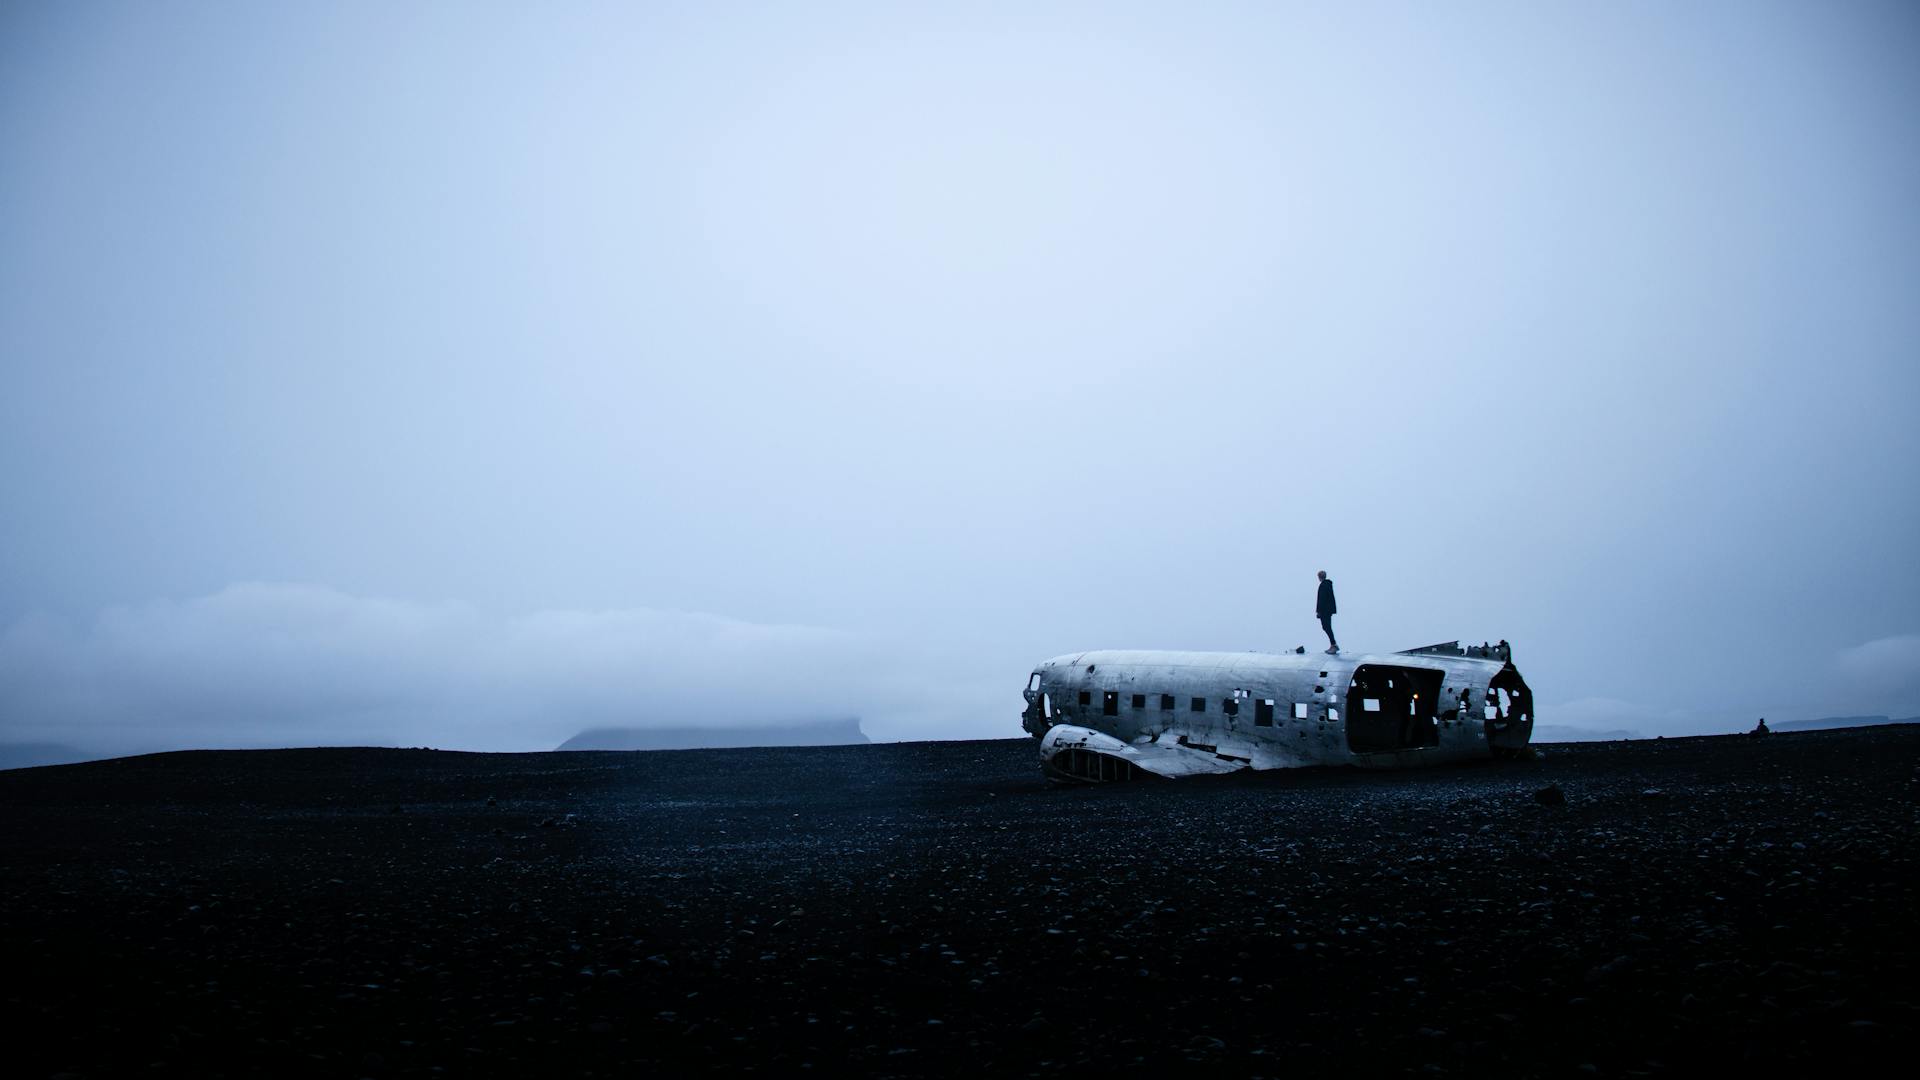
point(470, 374)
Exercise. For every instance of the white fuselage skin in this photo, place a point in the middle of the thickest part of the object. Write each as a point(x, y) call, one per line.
point(1180, 713)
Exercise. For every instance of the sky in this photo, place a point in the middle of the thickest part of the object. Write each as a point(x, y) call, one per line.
point(470, 374)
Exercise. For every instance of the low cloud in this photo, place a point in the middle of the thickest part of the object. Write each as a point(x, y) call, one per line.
point(278, 664)
point(1878, 677)
point(1611, 718)
point(1883, 673)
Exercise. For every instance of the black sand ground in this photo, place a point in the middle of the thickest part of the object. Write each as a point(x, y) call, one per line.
point(937, 909)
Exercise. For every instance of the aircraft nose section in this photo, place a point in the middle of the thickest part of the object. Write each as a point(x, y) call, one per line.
point(1038, 716)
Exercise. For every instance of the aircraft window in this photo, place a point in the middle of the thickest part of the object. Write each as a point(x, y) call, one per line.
point(1493, 712)
point(1086, 698)
point(1139, 701)
point(1034, 683)
point(1333, 714)
point(1166, 701)
point(1199, 704)
point(1231, 706)
point(1299, 710)
point(1110, 703)
point(1046, 705)
point(1263, 713)
point(1371, 704)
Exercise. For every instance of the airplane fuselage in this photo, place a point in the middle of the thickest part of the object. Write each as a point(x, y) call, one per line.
point(1115, 714)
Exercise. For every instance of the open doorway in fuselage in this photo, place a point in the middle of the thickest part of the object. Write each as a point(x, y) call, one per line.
point(1392, 708)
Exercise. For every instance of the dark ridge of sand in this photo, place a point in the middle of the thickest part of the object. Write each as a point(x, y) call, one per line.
point(935, 909)
point(1827, 723)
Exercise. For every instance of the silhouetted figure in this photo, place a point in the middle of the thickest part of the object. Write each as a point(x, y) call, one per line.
point(1760, 729)
point(1324, 608)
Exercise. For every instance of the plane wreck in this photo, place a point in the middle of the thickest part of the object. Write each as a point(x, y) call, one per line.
point(1126, 715)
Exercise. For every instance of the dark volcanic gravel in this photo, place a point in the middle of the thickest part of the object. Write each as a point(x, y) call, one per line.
point(936, 908)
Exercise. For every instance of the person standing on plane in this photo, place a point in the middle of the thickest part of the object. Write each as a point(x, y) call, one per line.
point(1324, 608)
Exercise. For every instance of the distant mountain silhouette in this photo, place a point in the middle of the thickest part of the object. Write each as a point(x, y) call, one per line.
point(1827, 722)
point(796, 733)
point(28, 755)
point(1549, 733)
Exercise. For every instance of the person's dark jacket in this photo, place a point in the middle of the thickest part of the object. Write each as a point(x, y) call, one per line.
point(1324, 607)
